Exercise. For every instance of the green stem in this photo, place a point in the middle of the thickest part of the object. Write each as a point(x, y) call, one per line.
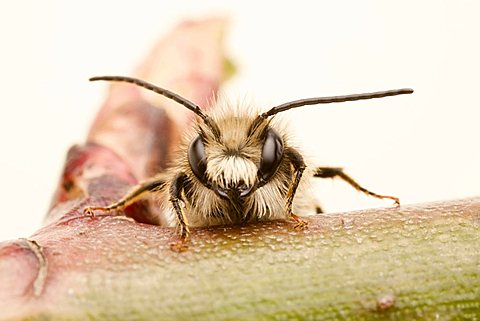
point(409, 263)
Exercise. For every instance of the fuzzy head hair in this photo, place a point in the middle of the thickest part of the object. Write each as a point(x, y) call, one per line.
point(240, 154)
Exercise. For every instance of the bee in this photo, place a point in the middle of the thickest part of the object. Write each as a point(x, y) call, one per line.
point(235, 166)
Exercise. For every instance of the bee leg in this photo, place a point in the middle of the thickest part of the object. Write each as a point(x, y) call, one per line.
point(299, 166)
point(176, 197)
point(139, 190)
point(332, 172)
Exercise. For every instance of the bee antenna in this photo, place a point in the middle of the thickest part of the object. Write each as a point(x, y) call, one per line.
point(334, 99)
point(166, 93)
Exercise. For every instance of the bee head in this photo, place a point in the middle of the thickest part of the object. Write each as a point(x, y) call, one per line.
point(240, 159)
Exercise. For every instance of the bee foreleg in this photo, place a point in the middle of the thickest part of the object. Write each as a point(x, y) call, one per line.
point(332, 172)
point(299, 166)
point(176, 189)
point(132, 196)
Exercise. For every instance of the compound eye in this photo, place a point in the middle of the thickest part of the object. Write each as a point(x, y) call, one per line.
point(197, 159)
point(272, 152)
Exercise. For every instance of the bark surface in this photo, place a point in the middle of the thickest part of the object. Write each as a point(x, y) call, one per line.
point(409, 263)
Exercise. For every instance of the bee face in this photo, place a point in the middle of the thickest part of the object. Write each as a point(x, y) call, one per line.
point(240, 160)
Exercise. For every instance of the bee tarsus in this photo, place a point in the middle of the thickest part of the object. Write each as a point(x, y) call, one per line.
point(176, 189)
point(299, 166)
point(333, 172)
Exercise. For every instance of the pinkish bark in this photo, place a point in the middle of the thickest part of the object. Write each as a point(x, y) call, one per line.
point(132, 138)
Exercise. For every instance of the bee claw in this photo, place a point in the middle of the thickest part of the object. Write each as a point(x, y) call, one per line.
point(397, 201)
point(302, 225)
point(180, 246)
point(89, 211)
point(299, 223)
point(184, 242)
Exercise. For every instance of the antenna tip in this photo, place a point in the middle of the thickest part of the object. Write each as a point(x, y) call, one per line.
point(95, 78)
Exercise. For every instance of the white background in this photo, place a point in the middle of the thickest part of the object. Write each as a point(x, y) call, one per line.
point(422, 147)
